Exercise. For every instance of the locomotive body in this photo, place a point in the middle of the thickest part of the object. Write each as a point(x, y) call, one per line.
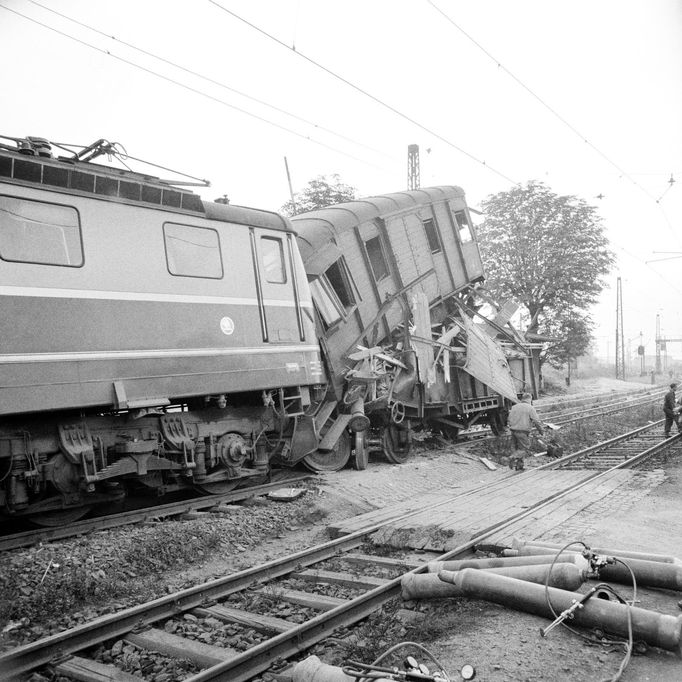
point(146, 336)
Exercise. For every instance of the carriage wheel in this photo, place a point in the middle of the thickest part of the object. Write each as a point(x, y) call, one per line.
point(330, 460)
point(361, 451)
point(397, 444)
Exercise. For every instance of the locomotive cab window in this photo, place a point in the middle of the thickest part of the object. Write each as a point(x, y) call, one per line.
point(432, 235)
point(377, 258)
point(272, 254)
point(192, 251)
point(37, 232)
point(463, 226)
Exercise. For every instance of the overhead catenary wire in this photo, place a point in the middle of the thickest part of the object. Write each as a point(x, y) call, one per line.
point(192, 89)
point(554, 112)
point(364, 92)
point(208, 79)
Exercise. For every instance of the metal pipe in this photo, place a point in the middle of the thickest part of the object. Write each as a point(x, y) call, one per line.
point(647, 573)
point(359, 421)
point(620, 553)
point(654, 628)
point(433, 586)
point(500, 562)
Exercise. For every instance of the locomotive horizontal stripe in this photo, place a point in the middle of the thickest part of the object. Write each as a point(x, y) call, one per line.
point(148, 354)
point(46, 292)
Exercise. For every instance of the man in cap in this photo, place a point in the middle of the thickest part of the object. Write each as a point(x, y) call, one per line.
point(669, 410)
point(522, 418)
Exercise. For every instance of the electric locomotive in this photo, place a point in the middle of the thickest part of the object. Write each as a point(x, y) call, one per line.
point(150, 339)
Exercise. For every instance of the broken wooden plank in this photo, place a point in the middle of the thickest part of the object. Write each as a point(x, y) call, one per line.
point(256, 621)
point(313, 601)
point(85, 670)
point(320, 576)
point(204, 655)
point(488, 463)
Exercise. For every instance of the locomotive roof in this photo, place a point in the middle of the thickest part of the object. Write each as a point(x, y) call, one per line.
point(316, 227)
point(104, 182)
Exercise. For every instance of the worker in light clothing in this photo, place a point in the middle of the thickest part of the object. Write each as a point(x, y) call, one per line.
point(522, 418)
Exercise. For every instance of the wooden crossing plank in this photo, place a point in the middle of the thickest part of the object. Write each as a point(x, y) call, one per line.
point(204, 655)
point(85, 670)
point(559, 511)
point(256, 621)
point(453, 524)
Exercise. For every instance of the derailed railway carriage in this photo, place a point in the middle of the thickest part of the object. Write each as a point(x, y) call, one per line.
point(394, 280)
point(149, 339)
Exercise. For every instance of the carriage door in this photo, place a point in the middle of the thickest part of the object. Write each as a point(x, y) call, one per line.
point(276, 286)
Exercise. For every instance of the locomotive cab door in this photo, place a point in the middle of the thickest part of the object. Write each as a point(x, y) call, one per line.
point(277, 286)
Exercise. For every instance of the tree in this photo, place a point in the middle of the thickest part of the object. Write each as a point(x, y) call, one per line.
point(549, 253)
point(573, 328)
point(319, 193)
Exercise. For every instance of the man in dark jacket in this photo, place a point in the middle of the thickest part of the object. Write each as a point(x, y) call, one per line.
point(669, 410)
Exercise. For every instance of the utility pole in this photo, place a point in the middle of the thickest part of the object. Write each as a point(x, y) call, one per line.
point(291, 191)
point(620, 346)
point(658, 343)
point(412, 166)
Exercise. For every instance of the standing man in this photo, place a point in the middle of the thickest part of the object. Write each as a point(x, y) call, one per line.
point(522, 418)
point(669, 410)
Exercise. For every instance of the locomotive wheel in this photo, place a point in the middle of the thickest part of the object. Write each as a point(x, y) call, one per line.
point(216, 487)
point(361, 451)
point(331, 460)
point(60, 517)
point(397, 444)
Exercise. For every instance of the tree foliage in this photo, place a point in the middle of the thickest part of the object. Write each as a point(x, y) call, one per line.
point(549, 253)
point(319, 193)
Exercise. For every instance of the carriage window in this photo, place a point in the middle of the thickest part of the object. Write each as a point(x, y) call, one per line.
point(272, 253)
point(338, 278)
point(463, 226)
point(325, 303)
point(432, 235)
point(35, 232)
point(377, 259)
point(192, 251)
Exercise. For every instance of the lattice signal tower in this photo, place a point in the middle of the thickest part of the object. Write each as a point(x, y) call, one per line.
point(620, 346)
point(412, 166)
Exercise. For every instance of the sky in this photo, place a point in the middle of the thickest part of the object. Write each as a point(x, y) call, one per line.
point(584, 96)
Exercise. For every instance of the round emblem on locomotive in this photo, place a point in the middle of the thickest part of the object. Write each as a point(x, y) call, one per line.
point(227, 326)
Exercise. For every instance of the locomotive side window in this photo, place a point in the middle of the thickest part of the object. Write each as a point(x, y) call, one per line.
point(463, 225)
point(272, 253)
point(37, 232)
point(192, 251)
point(377, 258)
point(432, 235)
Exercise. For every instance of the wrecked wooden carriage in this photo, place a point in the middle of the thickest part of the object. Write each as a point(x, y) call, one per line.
point(395, 280)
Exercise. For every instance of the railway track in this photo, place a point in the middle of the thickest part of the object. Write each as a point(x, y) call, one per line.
point(299, 581)
point(34, 536)
point(607, 403)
